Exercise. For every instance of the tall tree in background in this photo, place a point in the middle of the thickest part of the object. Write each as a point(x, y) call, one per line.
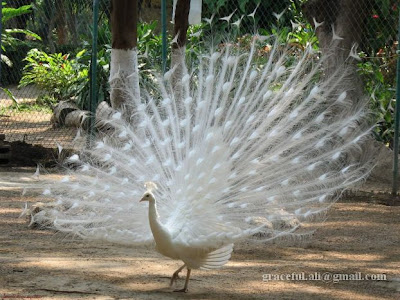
point(61, 23)
point(341, 28)
point(344, 18)
point(181, 25)
point(344, 27)
point(124, 69)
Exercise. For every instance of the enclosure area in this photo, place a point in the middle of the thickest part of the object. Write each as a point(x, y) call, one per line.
point(47, 53)
point(279, 109)
point(359, 236)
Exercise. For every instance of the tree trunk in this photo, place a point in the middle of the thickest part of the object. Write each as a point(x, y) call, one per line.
point(123, 24)
point(348, 19)
point(181, 22)
point(340, 16)
point(72, 22)
point(124, 70)
point(61, 23)
point(48, 24)
point(181, 25)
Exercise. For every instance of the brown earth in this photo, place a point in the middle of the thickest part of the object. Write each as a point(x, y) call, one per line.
point(361, 236)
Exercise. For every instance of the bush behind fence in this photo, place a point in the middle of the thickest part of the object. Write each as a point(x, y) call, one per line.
point(47, 50)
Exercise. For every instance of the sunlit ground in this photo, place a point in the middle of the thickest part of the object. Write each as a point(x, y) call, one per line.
point(358, 238)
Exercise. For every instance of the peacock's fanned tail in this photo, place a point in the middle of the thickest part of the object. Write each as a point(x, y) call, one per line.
point(236, 148)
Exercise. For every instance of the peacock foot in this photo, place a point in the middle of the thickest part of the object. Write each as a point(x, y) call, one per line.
point(174, 278)
point(184, 290)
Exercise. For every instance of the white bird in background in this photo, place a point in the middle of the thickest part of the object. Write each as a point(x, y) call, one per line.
point(238, 150)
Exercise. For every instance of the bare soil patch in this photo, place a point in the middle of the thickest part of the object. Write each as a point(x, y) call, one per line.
point(35, 128)
point(360, 237)
point(32, 127)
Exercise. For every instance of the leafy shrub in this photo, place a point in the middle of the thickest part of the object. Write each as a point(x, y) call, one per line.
point(8, 35)
point(54, 74)
point(381, 29)
point(383, 94)
point(81, 88)
point(14, 49)
point(11, 73)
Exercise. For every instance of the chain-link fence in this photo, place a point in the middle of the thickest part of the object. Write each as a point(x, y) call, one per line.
point(43, 65)
point(46, 52)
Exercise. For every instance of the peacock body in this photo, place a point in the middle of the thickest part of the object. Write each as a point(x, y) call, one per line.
point(236, 149)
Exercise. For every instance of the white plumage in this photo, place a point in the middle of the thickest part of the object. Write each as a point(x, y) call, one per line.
point(237, 150)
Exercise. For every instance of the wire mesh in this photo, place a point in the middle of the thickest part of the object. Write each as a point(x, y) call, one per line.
point(46, 62)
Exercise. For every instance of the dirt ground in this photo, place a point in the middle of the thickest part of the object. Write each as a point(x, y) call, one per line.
point(361, 236)
point(32, 127)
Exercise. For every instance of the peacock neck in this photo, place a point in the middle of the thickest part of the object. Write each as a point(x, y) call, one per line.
point(161, 234)
point(154, 217)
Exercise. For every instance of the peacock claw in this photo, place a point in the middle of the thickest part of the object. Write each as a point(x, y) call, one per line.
point(182, 290)
point(173, 279)
point(175, 276)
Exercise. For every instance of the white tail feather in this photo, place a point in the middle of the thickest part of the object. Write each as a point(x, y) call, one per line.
point(236, 149)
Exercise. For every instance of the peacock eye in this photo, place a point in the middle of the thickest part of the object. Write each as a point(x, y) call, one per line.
point(147, 196)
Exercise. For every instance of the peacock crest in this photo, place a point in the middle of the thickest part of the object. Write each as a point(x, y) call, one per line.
point(150, 186)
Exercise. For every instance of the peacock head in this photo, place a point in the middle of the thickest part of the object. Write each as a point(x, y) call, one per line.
point(148, 195)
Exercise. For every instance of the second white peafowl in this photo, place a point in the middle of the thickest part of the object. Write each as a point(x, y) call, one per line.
point(237, 149)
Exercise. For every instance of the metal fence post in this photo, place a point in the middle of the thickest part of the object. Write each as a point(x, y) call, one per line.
point(93, 73)
point(164, 34)
point(396, 121)
point(1, 30)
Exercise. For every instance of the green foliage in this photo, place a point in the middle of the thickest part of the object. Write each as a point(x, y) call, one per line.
point(10, 43)
point(299, 36)
point(303, 35)
point(149, 46)
point(21, 107)
point(11, 72)
point(378, 68)
point(382, 98)
point(72, 17)
point(54, 74)
point(11, 96)
point(380, 25)
point(81, 88)
point(9, 12)
point(8, 35)
point(264, 17)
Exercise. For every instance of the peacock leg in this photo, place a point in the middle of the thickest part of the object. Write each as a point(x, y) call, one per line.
point(175, 276)
point(185, 288)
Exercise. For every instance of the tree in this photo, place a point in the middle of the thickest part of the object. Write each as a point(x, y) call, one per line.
point(124, 71)
point(346, 19)
point(340, 30)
